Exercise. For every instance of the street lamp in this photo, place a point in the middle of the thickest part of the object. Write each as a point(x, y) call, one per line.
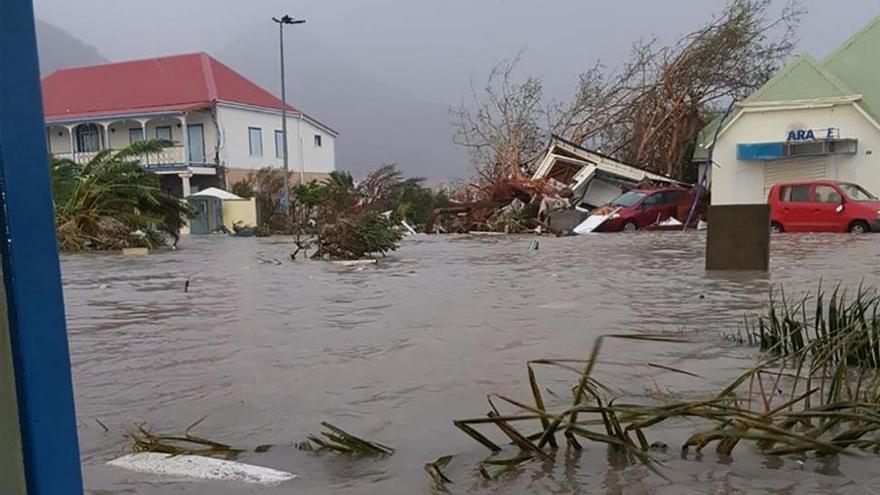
point(281, 22)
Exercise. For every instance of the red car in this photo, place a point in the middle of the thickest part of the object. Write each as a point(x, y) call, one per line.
point(823, 206)
point(642, 208)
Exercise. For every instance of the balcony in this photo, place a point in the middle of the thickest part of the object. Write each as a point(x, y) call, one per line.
point(170, 159)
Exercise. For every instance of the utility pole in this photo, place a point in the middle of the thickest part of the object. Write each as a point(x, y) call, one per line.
point(281, 22)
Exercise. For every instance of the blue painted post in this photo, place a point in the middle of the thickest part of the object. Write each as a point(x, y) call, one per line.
point(31, 273)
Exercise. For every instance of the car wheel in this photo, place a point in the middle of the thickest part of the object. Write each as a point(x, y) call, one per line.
point(859, 228)
point(630, 227)
point(776, 228)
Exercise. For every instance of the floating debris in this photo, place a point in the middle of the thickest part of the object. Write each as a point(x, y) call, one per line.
point(369, 261)
point(337, 440)
point(435, 471)
point(144, 440)
point(269, 261)
point(199, 467)
point(815, 390)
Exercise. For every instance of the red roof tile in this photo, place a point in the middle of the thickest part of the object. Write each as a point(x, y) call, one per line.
point(166, 84)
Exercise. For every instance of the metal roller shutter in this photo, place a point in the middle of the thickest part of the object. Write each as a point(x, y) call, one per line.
point(806, 168)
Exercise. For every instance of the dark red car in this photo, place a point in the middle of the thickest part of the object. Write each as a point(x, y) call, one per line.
point(642, 208)
point(823, 206)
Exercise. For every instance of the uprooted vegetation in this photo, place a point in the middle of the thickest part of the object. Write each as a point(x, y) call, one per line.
point(648, 113)
point(143, 439)
point(339, 218)
point(332, 439)
point(815, 390)
point(112, 202)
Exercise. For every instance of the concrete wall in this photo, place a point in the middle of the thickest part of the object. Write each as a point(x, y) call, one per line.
point(234, 175)
point(59, 139)
point(244, 211)
point(742, 182)
point(234, 124)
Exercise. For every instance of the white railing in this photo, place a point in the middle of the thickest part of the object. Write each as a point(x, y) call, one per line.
point(172, 155)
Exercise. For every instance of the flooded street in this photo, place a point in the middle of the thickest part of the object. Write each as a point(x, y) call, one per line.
point(395, 352)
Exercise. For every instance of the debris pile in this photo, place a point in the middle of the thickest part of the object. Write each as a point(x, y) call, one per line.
point(509, 205)
point(569, 184)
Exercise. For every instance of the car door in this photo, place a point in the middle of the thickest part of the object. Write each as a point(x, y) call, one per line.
point(672, 201)
point(650, 209)
point(826, 213)
point(796, 214)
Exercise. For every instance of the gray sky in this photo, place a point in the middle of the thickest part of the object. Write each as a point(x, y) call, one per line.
point(428, 50)
point(432, 48)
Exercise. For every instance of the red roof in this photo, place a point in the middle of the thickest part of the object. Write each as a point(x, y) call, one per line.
point(166, 84)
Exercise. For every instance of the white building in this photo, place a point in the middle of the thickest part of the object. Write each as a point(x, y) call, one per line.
point(221, 126)
point(813, 120)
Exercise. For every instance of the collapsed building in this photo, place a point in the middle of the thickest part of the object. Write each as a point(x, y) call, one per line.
point(570, 181)
point(594, 179)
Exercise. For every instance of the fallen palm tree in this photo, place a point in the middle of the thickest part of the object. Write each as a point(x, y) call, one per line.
point(112, 202)
point(815, 390)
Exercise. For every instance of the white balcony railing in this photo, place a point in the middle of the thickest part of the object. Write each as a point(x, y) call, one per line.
point(172, 155)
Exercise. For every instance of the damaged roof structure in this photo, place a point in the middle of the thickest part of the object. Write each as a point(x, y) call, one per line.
point(569, 181)
point(595, 179)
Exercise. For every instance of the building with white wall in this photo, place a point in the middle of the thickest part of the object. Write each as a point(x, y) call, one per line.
point(813, 120)
point(219, 125)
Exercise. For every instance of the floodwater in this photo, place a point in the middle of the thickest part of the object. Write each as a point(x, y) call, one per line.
point(395, 352)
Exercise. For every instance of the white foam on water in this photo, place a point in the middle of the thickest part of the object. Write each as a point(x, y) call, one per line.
point(198, 467)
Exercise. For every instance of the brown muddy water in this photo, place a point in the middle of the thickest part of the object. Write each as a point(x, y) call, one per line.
point(395, 352)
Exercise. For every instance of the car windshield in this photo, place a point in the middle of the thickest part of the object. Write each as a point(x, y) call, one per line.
point(628, 199)
point(857, 193)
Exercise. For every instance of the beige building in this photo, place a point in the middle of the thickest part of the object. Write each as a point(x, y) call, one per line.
point(219, 125)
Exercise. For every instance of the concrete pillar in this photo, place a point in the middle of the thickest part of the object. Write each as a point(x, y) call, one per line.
point(105, 136)
point(184, 180)
point(185, 139)
point(70, 130)
point(143, 123)
point(738, 237)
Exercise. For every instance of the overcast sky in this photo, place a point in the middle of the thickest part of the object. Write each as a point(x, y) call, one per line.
point(385, 72)
point(430, 48)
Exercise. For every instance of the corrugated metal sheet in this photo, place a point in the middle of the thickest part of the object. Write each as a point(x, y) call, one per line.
point(806, 168)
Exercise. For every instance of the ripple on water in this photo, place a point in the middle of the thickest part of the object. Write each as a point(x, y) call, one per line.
point(397, 351)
